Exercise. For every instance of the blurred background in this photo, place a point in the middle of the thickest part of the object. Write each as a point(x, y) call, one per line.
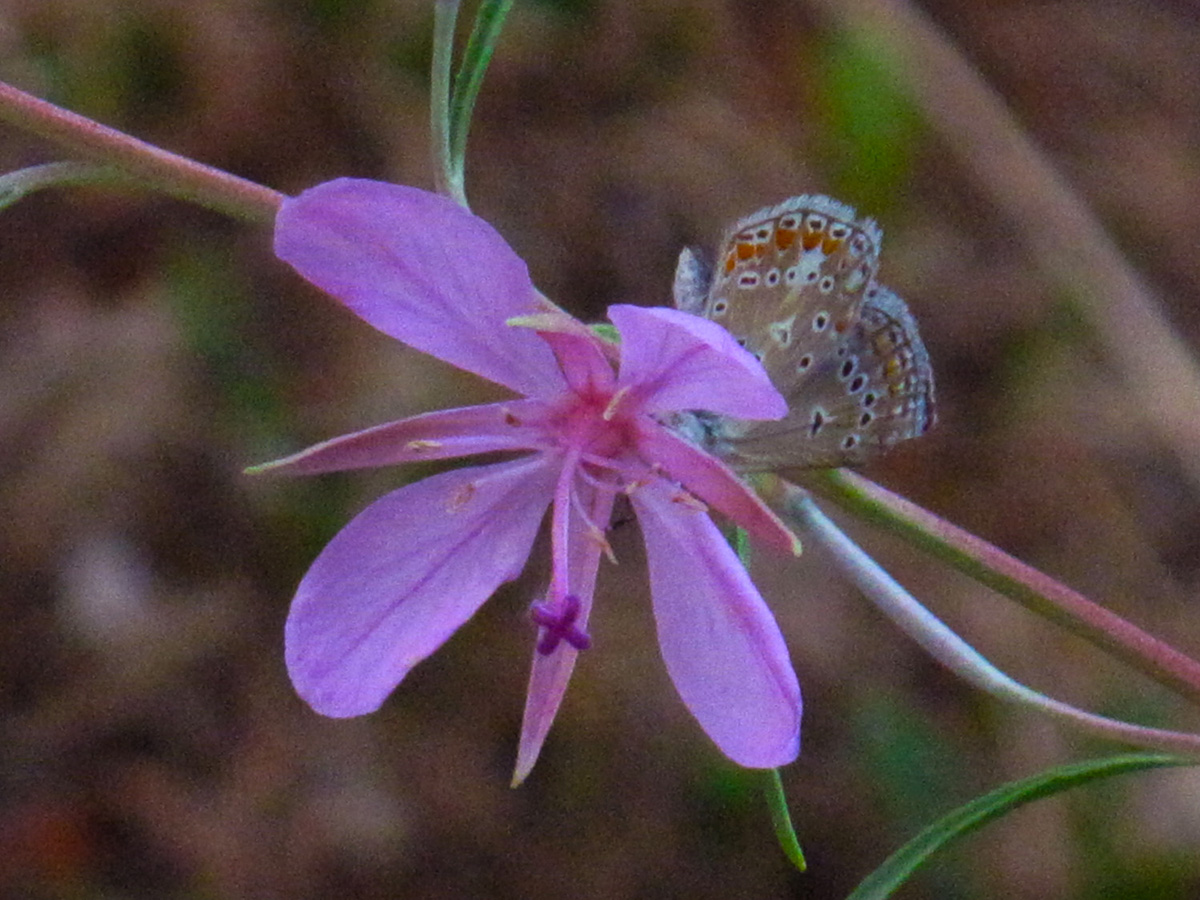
point(151, 746)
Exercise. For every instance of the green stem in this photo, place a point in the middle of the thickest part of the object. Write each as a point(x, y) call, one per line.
point(150, 166)
point(23, 182)
point(993, 567)
point(448, 177)
point(489, 20)
point(781, 819)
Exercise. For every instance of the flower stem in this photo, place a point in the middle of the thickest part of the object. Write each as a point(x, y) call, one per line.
point(23, 182)
point(489, 20)
point(951, 650)
point(991, 566)
point(146, 164)
point(448, 175)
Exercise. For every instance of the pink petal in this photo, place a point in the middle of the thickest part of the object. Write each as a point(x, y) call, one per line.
point(420, 268)
point(446, 434)
point(550, 673)
point(404, 574)
point(720, 643)
point(581, 358)
point(679, 361)
point(548, 678)
point(715, 483)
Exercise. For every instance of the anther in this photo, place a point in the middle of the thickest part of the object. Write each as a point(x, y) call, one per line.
point(611, 409)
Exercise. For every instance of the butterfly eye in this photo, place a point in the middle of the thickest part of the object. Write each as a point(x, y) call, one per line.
point(792, 275)
point(815, 222)
point(857, 384)
point(720, 307)
point(848, 367)
point(748, 280)
point(820, 321)
point(869, 399)
point(839, 231)
point(849, 442)
point(826, 285)
point(866, 419)
point(773, 278)
point(804, 363)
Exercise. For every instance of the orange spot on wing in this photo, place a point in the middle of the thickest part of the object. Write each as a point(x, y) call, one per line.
point(785, 237)
point(810, 240)
point(830, 244)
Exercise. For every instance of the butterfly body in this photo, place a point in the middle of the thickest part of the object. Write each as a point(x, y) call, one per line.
point(795, 285)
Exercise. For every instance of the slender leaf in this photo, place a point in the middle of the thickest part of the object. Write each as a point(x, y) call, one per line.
point(447, 172)
point(897, 868)
point(489, 19)
point(785, 833)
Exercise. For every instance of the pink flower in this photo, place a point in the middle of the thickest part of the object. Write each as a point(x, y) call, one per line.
point(417, 563)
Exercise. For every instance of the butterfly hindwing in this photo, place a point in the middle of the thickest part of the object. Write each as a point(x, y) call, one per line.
point(795, 285)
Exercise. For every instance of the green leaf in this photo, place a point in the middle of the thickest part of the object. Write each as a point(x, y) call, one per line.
point(785, 833)
point(900, 865)
point(489, 20)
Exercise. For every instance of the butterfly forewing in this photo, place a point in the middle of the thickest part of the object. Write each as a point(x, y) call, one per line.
point(795, 285)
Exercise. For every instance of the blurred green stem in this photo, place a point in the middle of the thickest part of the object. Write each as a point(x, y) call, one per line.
point(23, 182)
point(143, 163)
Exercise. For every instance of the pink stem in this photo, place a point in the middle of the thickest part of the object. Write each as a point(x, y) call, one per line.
point(152, 166)
point(991, 566)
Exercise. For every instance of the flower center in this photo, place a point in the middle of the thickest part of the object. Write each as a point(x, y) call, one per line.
point(558, 623)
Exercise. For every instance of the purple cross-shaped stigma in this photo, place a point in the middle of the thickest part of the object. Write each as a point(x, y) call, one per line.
point(559, 620)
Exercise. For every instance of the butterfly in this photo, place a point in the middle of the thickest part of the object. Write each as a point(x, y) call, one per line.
point(795, 285)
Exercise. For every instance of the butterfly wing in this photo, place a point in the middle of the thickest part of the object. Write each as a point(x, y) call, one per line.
point(795, 286)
